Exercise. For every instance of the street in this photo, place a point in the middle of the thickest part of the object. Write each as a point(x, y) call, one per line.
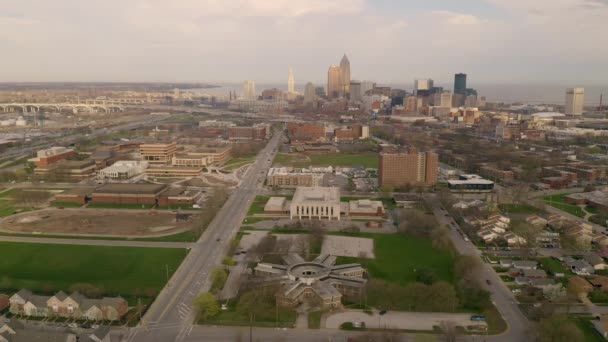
point(171, 315)
point(501, 295)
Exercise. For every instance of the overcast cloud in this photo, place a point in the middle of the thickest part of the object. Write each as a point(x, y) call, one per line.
point(390, 41)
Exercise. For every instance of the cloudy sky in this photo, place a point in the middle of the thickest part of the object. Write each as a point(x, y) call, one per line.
point(389, 41)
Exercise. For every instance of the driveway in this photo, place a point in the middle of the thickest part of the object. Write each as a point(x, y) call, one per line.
point(398, 320)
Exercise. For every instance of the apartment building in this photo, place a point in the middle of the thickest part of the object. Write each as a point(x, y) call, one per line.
point(410, 167)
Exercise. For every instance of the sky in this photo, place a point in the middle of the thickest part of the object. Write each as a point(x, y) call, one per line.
point(387, 41)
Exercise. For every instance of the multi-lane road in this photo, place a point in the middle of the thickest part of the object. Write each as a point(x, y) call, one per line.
point(170, 318)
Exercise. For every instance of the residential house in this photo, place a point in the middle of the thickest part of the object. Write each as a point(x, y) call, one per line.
point(536, 220)
point(596, 261)
point(74, 305)
point(579, 267)
point(515, 272)
point(549, 287)
point(514, 239)
point(525, 264)
point(534, 273)
point(506, 263)
point(487, 235)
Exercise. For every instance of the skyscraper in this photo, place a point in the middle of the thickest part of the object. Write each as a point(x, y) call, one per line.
point(575, 99)
point(334, 82)
point(309, 93)
point(345, 75)
point(460, 89)
point(424, 85)
point(249, 90)
point(355, 91)
point(290, 82)
point(366, 85)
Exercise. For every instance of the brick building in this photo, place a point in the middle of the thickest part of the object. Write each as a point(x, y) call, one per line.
point(128, 193)
point(158, 153)
point(411, 167)
point(52, 155)
point(305, 132)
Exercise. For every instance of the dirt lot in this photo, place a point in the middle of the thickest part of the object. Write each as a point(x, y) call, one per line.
point(96, 222)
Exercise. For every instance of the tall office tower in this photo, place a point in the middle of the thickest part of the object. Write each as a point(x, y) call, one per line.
point(345, 75)
point(460, 89)
point(422, 85)
point(355, 91)
point(309, 93)
point(414, 168)
point(443, 99)
point(366, 86)
point(290, 82)
point(575, 99)
point(320, 92)
point(249, 90)
point(334, 82)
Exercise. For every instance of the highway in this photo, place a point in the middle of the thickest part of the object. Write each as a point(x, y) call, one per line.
point(501, 295)
point(171, 316)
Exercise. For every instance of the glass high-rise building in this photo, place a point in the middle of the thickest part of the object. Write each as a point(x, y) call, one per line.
point(460, 89)
point(460, 84)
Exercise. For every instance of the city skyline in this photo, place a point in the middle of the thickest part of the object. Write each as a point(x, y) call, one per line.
point(147, 41)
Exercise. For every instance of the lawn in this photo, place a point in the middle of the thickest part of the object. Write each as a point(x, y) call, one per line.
point(278, 317)
point(119, 206)
point(187, 236)
point(553, 266)
point(367, 160)
point(118, 270)
point(257, 206)
point(513, 208)
point(587, 328)
point(557, 201)
point(314, 319)
point(66, 204)
point(238, 162)
point(398, 257)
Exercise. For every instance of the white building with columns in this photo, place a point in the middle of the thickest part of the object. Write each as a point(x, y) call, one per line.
point(315, 202)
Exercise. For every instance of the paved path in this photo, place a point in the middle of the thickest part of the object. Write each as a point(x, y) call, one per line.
point(398, 319)
point(116, 243)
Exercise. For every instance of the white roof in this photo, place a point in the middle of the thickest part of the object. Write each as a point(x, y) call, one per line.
point(547, 115)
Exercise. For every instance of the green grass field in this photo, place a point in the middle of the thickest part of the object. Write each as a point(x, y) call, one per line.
point(238, 162)
point(557, 201)
point(118, 270)
point(187, 236)
point(66, 204)
point(587, 328)
point(368, 160)
point(399, 256)
point(553, 266)
point(257, 206)
point(513, 208)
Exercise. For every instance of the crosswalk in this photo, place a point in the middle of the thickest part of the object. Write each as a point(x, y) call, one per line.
point(183, 311)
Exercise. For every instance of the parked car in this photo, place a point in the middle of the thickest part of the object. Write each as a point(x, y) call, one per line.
point(478, 318)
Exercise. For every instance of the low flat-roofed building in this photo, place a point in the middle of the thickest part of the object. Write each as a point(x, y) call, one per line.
point(73, 169)
point(406, 200)
point(171, 171)
point(276, 205)
point(179, 195)
point(216, 156)
point(123, 169)
point(52, 155)
point(286, 177)
point(470, 183)
point(315, 202)
point(128, 193)
point(365, 207)
point(597, 199)
point(75, 195)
